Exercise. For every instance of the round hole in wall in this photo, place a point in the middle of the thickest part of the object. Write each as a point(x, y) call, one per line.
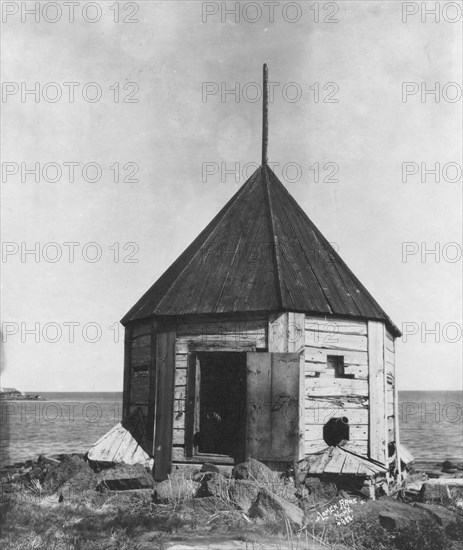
point(336, 430)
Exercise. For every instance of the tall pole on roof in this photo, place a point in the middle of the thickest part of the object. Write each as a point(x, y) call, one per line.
point(265, 115)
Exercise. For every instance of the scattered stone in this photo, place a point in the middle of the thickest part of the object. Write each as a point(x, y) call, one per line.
point(320, 491)
point(213, 485)
point(240, 472)
point(269, 506)
point(207, 506)
point(57, 475)
point(392, 521)
point(38, 473)
point(433, 474)
point(42, 460)
point(255, 471)
point(208, 467)
point(243, 494)
point(442, 490)
point(125, 477)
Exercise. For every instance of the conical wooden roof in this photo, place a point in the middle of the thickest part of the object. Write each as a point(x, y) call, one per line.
point(260, 253)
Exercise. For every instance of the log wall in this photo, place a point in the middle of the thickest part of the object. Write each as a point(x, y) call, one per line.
point(327, 396)
point(139, 380)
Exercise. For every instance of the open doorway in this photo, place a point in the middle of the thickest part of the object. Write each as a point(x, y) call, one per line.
point(220, 404)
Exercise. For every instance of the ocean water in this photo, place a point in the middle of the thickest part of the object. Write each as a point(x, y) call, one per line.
point(430, 424)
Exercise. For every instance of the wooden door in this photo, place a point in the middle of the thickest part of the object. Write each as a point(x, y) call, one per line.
point(272, 423)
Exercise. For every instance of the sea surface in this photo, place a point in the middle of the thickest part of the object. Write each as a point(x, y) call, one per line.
point(430, 424)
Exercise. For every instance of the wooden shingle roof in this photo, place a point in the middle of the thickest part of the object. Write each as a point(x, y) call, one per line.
point(260, 253)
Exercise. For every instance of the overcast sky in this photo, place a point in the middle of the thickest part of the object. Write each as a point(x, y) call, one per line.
point(355, 121)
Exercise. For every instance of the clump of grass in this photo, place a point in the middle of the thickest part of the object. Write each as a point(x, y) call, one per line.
point(421, 535)
point(180, 488)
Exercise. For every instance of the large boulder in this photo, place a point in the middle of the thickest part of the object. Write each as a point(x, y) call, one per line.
point(125, 477)
point(213, 485)
point(442, 515)
point(271, 507)
point(58, 474)
point(243, 493)
point(254, 471)
point(391, 521)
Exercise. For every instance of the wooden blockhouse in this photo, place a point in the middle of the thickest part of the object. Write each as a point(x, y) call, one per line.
point(259, 341)
point(254, 339)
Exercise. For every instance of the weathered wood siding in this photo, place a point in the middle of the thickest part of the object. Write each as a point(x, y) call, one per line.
point(225, 335)
point(390, 387)
point(327, 396)
point(139, 377)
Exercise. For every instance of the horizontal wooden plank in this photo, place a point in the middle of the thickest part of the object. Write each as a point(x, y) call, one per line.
point(141, 341)
point(179, 406)
point(351, 358)
point(360, 373)
point(180, 377)
point(185, 345)
point(311, 370)
point(223, 346)
point(357, 432)
point(179, 421)
point(343, 326)
point(139, 389)
point(181, 360)
point(227, 332)
point(225, 327)
point(315, 415)
point(390, 357)
point(314, 446)
point(178, 436)
point(140, 356)
point(180, 393)
point(140, 329)
point(178, 454)
point(333, 341)
point(329, 387)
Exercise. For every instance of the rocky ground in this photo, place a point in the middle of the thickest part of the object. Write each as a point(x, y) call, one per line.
point(66, 503)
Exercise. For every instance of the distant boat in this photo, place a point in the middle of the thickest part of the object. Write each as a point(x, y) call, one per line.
point(12, 394)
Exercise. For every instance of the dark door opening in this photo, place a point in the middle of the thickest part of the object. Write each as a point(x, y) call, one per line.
point(220, 408)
